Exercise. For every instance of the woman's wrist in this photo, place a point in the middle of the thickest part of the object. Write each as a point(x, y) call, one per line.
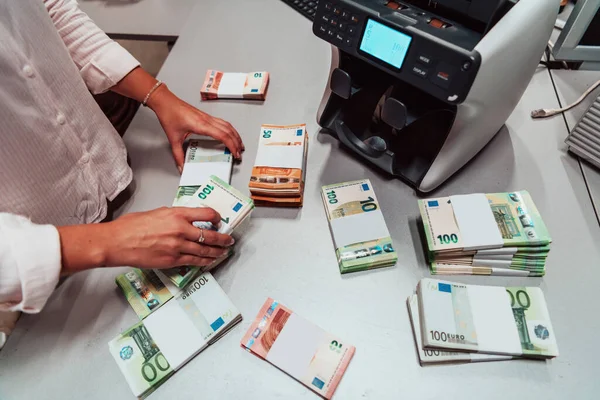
point(160, 98)
point(83, 247)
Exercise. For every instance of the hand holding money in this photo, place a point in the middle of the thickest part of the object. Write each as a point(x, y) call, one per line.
point(180, 119)
point(234, 208)
point(164, 238)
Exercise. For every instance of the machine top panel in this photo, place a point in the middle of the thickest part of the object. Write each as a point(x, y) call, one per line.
point(433, 54)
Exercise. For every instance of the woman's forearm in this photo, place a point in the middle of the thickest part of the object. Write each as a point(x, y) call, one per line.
point(82, 247)
point(137, 84)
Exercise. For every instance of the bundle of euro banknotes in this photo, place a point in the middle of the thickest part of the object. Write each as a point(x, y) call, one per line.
point(299, 348)
point(485, 234)
point(360, 235)
point(203, 158)
point(234, 208)
point(280, 167)
point(204, 182)
point(176, 324)
point(234, 85)
point(454, 322)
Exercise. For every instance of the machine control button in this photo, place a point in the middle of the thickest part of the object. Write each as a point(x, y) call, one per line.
point(325, 18)
point(342, 26)
point(425, 59)
point(334, 22)
point(345, 14)
point(337, 10)
point(420, 71)
point(331, 33)
point(339, 38)
point(354, 19)
point(348, 42)
point(322, 29)
point(351, 30)
point(443, 75)
point(328, 6)
point(466, 65)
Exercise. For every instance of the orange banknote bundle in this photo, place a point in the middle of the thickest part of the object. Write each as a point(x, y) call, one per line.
point(234, 85)
point(280, 167)
point(299, 348)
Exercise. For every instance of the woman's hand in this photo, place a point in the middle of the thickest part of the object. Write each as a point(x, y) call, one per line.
point(161, 238)
point(180, 119)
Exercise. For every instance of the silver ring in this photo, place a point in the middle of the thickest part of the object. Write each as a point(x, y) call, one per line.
point(201, 238)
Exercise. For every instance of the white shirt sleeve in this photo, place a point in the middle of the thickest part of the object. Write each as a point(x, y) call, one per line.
point(30, 263)
point(101, 61)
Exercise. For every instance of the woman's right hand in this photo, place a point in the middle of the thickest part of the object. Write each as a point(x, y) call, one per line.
point(166, 238)
point(161, 238)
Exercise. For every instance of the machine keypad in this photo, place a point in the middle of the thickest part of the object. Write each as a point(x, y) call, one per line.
point(339, 25)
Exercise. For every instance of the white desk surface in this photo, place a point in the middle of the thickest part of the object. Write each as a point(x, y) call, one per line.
point(569, 86)
point(288, 254)
point(139, 19)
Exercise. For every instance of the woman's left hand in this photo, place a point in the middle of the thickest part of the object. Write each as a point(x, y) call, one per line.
point(180, 119)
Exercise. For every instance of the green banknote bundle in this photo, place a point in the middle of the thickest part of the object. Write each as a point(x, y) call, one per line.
point(171, 334)
point(360, 235)
point(203, 158)
point(440, 356)
point(234, 208)
point(485, 234)
point(509, 321)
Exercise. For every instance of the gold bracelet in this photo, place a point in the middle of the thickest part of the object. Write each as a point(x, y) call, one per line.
point(156, 85)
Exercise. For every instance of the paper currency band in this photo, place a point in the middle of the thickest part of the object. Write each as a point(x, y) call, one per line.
point(156, 85)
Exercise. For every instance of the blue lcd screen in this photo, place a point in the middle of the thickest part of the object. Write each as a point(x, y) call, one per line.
point(385, 43)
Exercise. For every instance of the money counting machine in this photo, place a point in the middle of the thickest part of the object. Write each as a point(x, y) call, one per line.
point(419, 87)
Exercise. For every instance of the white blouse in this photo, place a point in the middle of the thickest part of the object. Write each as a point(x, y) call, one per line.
point(60, 158)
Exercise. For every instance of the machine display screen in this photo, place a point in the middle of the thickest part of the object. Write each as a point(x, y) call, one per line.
point(385, 43)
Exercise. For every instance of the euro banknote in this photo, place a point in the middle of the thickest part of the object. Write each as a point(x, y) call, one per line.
point(140, 360)
point(144, 291)
point(234, 85)
point(150, 351)
point(299, 348)
point(454, 269)
point(280, 167)
point(514, 214)
point(360, 235)
point(203, 158)
point(233, 206)
point(437, 356)
point(495, 234)
point(486, 319)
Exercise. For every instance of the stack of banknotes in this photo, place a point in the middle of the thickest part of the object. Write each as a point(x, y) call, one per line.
point(203, 158)
point(485, 234)
point(299, 348)
point(234, 85)
point(176, 324)
point(280, 167)
point(234, 208)
point(454, 322)
point(360, 235)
